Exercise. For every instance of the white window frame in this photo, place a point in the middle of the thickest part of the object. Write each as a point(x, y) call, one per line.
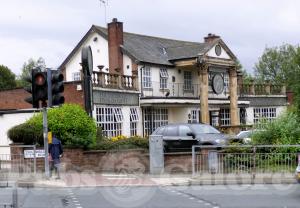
point(134, 118)
point(225, 117)
point(154, 118)
point(110, 119)
point(147, 83)
point(195, 116)
point(268, 113)
point(76, 76)
point(215, 121)
point(226, 80)
point(163, 73)
point(187, 81)
point(118, 114)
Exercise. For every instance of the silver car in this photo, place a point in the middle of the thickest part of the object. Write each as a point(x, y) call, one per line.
point(183, 136)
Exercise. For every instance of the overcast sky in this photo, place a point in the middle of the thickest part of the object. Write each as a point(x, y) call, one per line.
point(52, 28)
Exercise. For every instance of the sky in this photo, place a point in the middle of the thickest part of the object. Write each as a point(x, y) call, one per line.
point(51, 29)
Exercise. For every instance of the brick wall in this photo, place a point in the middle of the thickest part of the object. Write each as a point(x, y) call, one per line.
point(115, 39)
point(14, 99)
point(121, 161)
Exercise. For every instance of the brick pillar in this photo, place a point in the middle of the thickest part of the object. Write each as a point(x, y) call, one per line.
point(283, 90)
point(234, 119)
point(252, 87)
point(268, 87)
point(204, 94)
point(115, 40)
point(240, 82)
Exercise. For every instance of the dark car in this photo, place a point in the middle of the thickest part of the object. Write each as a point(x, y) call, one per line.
point(183, 136)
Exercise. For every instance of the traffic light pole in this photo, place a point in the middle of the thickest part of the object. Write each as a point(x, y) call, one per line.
point(45, 133)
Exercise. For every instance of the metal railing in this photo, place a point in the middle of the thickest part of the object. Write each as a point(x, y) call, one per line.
point(14, 161)
point(156, 89)
point(245, 159)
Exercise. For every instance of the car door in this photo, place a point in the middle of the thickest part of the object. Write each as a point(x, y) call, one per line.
point(171, 133)
point(186, 141)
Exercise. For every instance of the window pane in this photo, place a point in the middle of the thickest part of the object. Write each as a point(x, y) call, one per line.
point(183, 130)
point(171, 131)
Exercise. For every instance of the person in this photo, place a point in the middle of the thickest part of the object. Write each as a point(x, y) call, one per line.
point(55, 153)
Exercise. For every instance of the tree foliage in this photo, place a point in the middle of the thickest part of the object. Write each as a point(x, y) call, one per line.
point(27, 68)
point(284, 130)
point(70, 123)
point(281, 65)
point(276, 64)
point(7, 78)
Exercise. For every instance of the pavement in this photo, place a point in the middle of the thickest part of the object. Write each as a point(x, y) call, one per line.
point(92, 179)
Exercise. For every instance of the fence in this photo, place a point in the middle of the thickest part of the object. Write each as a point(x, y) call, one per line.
point(13, 160)
point(246, 159)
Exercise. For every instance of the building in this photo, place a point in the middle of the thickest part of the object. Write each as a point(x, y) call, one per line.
point(141, 82)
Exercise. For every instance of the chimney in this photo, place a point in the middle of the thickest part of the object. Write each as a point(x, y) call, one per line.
point(115, 39)
point(210, 38)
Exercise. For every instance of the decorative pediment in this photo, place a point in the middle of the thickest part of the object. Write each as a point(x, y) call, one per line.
point(220, 50)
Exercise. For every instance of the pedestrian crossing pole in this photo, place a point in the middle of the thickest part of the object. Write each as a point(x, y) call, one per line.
point(45, 134)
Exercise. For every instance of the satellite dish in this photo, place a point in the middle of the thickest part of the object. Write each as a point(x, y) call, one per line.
point(87, 59)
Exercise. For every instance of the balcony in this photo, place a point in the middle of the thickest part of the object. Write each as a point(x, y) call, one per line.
point(171, 90)
point(114, 81)
point(261, 89)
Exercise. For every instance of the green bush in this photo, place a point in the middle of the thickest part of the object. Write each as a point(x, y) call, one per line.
point(26, 133)
point(283, 130)
point(122, 143)
point(70, 123)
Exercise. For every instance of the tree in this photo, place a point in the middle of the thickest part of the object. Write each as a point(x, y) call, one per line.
point(247, 77)
point(27, 68)
point(275, 64)
point(7, 78)
point(282, 66)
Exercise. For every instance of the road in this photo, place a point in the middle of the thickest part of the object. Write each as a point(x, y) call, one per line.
point(229, 196)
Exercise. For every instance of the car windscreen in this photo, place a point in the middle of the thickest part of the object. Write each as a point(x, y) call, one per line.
point(204, 129)
point(245, 134)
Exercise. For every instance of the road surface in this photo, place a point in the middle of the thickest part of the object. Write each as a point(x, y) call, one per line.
point(218, 196)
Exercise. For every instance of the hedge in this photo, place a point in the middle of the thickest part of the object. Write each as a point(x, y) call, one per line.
point(70, 123)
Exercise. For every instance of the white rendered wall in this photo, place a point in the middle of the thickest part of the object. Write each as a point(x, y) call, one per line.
point(127, 65)
point(178, 84)
point(250, 114)
point(8, 121)
point(99, 47)
point(179, 115)
point(212, 53)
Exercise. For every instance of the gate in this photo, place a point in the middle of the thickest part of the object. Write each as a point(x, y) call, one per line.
point(14, 161)
point(244, 159)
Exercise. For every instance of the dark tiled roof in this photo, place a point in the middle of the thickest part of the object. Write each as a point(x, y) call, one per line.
point(265, 101)
point(158, 50)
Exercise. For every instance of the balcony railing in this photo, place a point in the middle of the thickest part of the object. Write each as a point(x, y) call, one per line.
point(155, 89)
point(261, 89)
point(114, 81)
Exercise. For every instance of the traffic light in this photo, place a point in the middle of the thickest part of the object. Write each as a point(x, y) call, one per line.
point(38, 88)
point(55, 88)
point(29, 89)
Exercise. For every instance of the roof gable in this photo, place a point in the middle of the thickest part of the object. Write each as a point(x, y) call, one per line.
point(226, 53)
point(155, 50)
